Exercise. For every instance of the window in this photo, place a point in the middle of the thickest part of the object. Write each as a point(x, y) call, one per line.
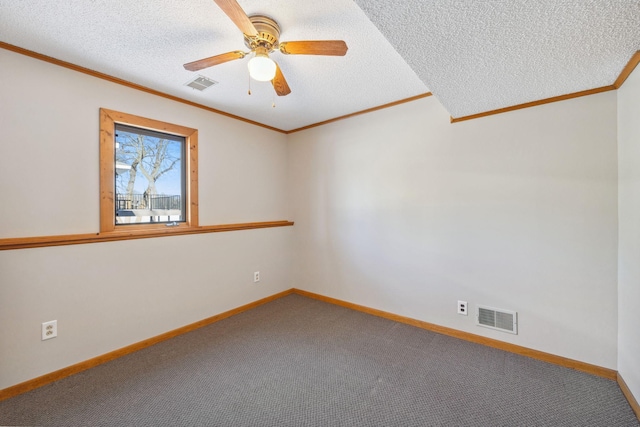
point(148, 174)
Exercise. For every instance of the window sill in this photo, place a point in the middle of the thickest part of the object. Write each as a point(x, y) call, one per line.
point(78, 239)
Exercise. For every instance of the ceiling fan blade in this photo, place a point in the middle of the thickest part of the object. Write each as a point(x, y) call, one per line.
point(238, 16)
point(280, 84)
point(315, 47)
point(214, 60)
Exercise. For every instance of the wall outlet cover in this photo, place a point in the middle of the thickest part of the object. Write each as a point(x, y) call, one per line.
point(463, 308)
point(49, 329)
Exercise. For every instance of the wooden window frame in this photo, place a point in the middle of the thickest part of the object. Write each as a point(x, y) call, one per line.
point(108, 231)
point(108, 120)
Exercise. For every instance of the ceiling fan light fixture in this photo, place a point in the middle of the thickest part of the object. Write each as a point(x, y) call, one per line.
point(262, 36)
point(261, 67)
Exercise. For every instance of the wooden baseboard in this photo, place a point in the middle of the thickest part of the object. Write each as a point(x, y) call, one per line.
point(630, 397)
point(512, 348)
point(87, 364)
point(535, 354)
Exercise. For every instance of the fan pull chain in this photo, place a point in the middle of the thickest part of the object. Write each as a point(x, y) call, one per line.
point(249, 84)
point(273, 102)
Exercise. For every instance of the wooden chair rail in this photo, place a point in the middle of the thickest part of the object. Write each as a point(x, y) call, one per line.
point(78, 239)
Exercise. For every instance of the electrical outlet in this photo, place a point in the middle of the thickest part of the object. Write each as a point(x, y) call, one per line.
point(462, 308)
point(49, 329)
point(256, 276)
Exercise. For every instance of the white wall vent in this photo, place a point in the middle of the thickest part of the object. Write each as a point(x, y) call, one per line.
point(496, 318)
point(201, 83)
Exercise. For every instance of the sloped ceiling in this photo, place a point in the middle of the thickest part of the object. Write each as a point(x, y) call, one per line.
point(475, 56)
point(478, 56)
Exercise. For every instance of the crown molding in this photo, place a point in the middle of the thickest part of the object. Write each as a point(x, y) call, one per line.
point(357, 113)
point(126, 83)
point(626, 71)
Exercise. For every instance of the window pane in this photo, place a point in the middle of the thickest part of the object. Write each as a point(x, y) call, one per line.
point(149, 181)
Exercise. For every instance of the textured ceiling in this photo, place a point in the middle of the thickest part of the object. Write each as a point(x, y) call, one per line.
point(147, 42)
point(478, 56)
point(475, 56)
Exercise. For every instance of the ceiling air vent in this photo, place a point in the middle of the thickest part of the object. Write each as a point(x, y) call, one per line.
point(201, 83)
point(495, 318)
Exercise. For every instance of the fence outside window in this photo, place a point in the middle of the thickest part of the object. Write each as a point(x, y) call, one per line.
point(144, 201)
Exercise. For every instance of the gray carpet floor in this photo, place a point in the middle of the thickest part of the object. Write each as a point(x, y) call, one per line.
point(301, 362)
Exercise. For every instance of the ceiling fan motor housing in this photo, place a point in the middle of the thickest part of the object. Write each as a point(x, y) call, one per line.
point(268, 33)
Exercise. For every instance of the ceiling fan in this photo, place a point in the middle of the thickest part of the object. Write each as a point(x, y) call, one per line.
point(261, 36)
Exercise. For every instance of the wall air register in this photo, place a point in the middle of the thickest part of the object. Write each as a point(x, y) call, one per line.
point(498, 319)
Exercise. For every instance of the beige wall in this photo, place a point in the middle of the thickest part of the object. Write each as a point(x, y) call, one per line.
point(404, 212)
point(629, 247)
point(398, 210)
point(108, 295)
